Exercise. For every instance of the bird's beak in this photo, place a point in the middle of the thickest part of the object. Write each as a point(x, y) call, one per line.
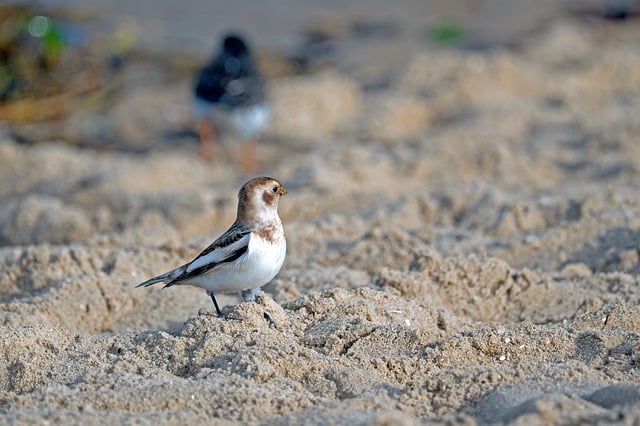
point(282, 190)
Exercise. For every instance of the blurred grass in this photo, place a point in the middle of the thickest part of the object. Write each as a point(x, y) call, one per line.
point(47, 63)
point(446, 34)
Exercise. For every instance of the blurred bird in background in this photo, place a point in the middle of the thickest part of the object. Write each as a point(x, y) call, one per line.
point(229, 94)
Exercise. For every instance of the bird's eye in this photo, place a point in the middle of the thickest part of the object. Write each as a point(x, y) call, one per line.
point(274, 189)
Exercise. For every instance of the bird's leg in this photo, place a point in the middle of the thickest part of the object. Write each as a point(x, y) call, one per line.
point(251, 294)
point(215, 302)
point(207, 136)
point(248, 159)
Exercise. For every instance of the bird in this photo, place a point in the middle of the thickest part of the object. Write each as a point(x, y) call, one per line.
point(245, 257)
point(230, 92)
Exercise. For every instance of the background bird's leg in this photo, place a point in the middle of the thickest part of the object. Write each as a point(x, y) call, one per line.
point(248, 158)
point(215, 302)
point(207, 136)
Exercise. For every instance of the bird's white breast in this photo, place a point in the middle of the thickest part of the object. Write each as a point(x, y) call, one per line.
point(266, 257)
point(255, 268)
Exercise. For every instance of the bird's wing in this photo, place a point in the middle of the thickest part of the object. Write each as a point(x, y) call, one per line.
point(227, 248)
point(210, 82)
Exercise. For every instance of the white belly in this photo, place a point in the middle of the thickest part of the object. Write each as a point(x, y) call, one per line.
point(255, 268)
point(249, 122)
point(246, 122)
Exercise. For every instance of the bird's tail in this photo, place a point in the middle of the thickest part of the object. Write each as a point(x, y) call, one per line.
point(167, 278)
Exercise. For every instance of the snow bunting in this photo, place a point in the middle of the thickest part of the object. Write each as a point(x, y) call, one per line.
point(247, 256)
point(229, 92)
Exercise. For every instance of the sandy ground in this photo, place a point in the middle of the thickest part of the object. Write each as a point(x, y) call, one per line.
point(463, 247)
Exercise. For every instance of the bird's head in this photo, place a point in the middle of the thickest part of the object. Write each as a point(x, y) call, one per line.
point(234, 45)
point(258, 200)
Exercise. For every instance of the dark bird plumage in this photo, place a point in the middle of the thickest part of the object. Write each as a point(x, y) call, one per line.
point(231, 78)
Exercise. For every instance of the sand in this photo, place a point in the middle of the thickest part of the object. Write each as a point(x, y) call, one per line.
point(463, 248)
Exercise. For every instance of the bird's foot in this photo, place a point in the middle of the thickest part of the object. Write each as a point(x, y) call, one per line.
point(263, 301)
point(207, 150)
point(263, 308)
point(258, 296)
point(270, 320)
point(251, 294)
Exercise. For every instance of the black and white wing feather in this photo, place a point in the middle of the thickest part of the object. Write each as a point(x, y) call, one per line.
point(227, 248)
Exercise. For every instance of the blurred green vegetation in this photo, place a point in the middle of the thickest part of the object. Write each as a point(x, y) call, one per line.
point(446, 34)
point(49, 62)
